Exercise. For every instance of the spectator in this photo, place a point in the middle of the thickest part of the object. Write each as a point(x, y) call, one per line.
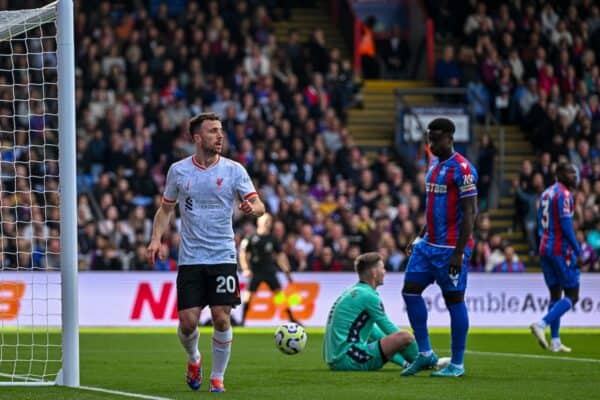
point(485, 167)
point(511, 262)
point(396, 52)
point(447, 72)
point(367, 51)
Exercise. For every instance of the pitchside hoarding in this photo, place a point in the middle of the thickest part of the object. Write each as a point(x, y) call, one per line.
point(149, 299)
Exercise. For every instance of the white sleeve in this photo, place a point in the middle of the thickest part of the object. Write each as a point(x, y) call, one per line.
point(245, 187)
point(171, 187)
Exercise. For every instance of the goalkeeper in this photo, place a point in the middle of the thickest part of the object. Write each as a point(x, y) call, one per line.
point(359, 336)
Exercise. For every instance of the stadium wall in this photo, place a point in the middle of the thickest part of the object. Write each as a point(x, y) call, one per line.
point(149, 299)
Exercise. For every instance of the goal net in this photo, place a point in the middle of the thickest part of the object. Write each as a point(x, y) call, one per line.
point(32, 226)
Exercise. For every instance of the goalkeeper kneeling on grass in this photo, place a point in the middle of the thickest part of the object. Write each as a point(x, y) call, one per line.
point(359, 336)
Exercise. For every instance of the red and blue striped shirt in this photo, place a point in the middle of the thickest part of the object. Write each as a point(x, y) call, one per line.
point(445, 184)
point(556, 204)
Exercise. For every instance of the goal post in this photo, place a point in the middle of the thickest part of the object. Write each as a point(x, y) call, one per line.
point(68, 193)
point(39, 336)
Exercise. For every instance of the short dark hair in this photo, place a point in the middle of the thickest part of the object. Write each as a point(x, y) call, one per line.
point(562, 168)
point(366, 261)
point(197, 120)
point(442, 124)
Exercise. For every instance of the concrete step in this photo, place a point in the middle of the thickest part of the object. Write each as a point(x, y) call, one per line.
point(374, 112)
point(516, 236)
point(501, 213)
point(374, 143)
point(386, 84)
point(500, 224)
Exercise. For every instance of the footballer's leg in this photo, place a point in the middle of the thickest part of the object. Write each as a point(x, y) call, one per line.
point(569, 280)
point(459, 326)
point(394, 348)
point(221, 346)
point(555, 345)
point(417, 315)
point(538, 329)
point(453, 288)
point(189, 303)
point(224, 292)
point(407, 350)
point(188, 336)
point(279, 297)
point(418, 276)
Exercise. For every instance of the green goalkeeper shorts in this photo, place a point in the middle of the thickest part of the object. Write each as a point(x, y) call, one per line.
point(360, 357)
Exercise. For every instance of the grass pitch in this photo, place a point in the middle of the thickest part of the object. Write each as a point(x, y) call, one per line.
point(500, 364)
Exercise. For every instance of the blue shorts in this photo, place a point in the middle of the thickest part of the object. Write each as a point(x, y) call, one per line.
point(429, 263)
point(557, 272)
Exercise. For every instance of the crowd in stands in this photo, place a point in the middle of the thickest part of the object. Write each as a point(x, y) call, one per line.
point(534, 63)
point(142, 73)
point(283, 105)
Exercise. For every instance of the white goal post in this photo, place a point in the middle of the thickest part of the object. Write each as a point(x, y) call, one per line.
point(39, 335)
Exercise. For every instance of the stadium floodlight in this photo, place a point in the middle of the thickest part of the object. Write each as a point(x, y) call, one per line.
point(39, 340)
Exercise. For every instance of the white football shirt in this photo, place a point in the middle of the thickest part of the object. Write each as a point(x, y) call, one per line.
point(206, 198)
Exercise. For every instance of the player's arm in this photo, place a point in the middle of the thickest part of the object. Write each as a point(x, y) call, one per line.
point(468, 206)
point(253, 205)
point(377, 312)
point(162, 219)
point(416, 240)
point(566, 222)
point(244, 257)
point(251, 202)
point(284, 264)
point(466, 181)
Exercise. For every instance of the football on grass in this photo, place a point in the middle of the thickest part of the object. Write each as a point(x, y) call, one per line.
point(290, 338)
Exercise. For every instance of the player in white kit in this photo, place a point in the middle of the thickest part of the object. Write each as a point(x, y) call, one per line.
point(206, 186)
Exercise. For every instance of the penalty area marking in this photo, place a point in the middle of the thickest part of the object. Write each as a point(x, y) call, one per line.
point(534, 356)
point(120, 393)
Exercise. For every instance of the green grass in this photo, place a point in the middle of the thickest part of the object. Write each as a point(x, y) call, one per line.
point(151, 362)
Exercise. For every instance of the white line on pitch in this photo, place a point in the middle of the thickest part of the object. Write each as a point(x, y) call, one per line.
point(535, 356)
point(120, 393)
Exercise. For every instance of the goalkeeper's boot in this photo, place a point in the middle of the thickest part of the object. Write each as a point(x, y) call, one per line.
point(451, 371)
point(422, 362)
point(539, 334)
point(194, 375)
point(216, 385)
point(559, 348)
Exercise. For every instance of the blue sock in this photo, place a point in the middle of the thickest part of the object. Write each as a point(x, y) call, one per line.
point(561, 307)
point(459, 325)
point(417, 315)
point(555, 325)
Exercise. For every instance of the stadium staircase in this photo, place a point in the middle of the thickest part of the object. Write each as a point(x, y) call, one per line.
point(374, 125)
point(517, 149)
point(305, 20)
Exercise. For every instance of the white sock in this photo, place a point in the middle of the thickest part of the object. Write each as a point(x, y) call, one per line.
point(221, 348)
point(555, 342)
point(542, 324)
point(190, 344)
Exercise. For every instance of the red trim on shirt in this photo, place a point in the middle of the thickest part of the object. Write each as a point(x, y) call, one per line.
point(251, 194)
point(169, 200)
point(202, 167)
